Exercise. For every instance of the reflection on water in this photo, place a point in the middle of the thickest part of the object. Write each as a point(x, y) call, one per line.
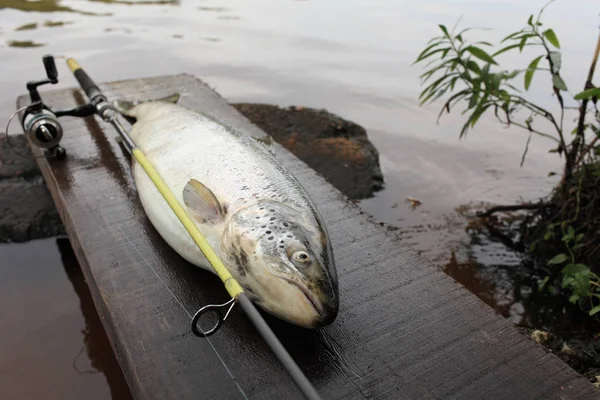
point(138, 2)
point(96, 343)
point(47, 24)
point(44, 6)
point(53, 342)
point(215, 9)
point(23, 43)
point(26, 27)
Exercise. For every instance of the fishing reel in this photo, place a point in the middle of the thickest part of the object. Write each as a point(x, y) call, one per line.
point(40, 123)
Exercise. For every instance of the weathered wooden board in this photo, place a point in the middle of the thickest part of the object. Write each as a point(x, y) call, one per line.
point(405, 329)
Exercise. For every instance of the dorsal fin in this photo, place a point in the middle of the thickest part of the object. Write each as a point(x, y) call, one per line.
point(125, 107)
point(266, 142)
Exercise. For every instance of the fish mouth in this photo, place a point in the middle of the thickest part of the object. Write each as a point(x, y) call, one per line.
point(315, 304)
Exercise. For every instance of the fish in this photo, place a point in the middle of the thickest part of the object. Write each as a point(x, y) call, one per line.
point(252, 211)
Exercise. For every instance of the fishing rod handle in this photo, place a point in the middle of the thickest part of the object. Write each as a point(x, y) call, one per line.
point(87, 84)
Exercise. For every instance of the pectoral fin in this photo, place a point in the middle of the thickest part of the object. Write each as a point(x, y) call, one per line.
point(202, 202)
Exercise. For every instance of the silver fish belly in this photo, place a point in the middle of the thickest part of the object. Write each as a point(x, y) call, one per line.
point(247, 205)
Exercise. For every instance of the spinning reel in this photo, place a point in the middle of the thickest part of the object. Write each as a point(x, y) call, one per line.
point(40, 123)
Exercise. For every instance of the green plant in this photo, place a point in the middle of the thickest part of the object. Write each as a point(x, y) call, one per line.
point(577, 277)
point(485, 87)
point(469, 74)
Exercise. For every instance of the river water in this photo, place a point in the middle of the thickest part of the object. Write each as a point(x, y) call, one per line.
point(350, 57)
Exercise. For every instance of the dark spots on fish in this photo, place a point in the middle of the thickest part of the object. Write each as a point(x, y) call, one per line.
point(281, 246)
point(273, 218)
point(286, 224)
point(290, 236)
point(264, 226)
point(272, 210)
point(268, 232)
point(270, 237)
point(262, 208)
point(244, 187)
point(257, 218)
point(281, 241)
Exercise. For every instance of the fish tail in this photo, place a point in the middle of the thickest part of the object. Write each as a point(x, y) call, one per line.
point(127, 107)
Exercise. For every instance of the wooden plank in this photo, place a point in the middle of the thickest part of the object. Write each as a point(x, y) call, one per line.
point(405, 329)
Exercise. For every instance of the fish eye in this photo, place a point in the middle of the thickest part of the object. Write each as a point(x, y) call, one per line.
point(301, 256)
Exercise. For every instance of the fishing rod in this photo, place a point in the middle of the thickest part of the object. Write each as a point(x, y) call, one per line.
point(109, 114)
point(42, 127)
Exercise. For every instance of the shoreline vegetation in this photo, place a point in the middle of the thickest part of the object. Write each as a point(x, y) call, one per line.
point(559, 235)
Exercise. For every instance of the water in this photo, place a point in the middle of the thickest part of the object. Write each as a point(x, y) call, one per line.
point(352, 58)
point(53, 343)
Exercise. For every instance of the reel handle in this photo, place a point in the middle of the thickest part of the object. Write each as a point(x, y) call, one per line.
point(50, 67)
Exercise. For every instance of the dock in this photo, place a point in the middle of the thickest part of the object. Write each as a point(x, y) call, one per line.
point(405, 330)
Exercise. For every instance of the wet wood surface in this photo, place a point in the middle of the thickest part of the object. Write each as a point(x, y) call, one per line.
point(405, 330)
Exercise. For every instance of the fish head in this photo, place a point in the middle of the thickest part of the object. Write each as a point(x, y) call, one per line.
point(283, 259)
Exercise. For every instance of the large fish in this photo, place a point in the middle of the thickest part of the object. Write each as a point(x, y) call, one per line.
point(247, 205)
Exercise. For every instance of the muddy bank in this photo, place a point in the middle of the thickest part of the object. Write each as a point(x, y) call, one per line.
point(336, 148)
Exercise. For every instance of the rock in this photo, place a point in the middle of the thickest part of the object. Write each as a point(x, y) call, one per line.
point(27, 210)
point(13, 165)
point(337, 149)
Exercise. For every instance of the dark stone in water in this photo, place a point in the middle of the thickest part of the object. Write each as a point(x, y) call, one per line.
point(337, 149)
point(26, 208)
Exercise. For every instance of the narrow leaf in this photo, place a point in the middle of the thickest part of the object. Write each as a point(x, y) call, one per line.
point(443, 28)
point(427, 55)
point(472, 65)
point(530, 70)
point(559, 83)
point(511, 36)
point(594, 310)
point(425, 50)
point(496, 79)
point(551, 36)
point(456, 96)
point(543, 283)
point(507, 48)
point(586, 94)
point(558, 259)
point(522, 43)
point(477, 52)
point(473, 101)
